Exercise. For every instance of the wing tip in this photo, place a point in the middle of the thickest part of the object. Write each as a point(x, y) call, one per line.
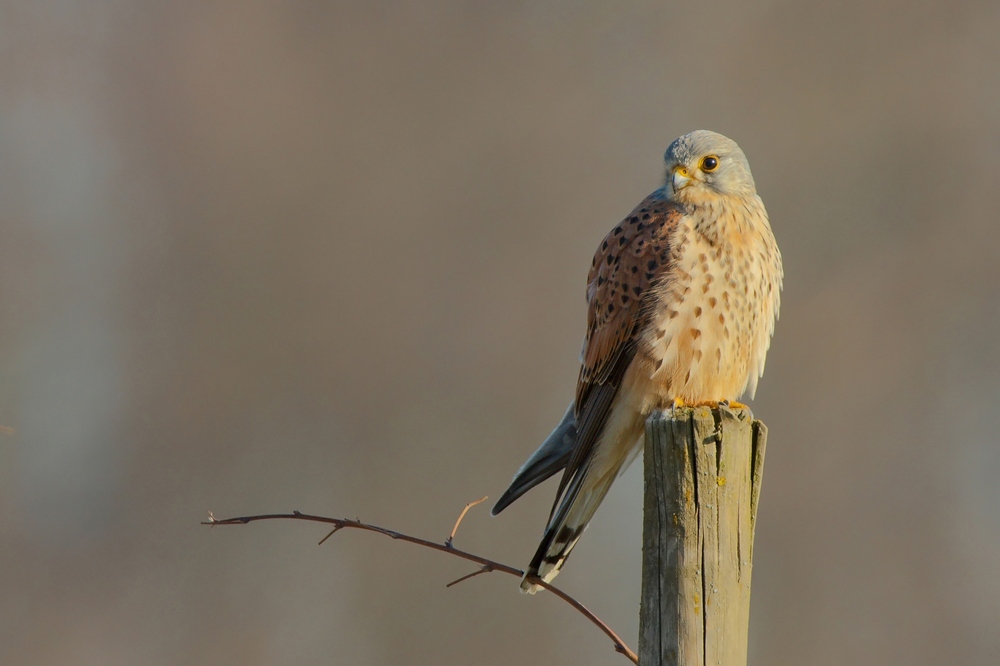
point(505, 501)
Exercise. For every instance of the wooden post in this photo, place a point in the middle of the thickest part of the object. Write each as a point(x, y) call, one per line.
point(702, 478)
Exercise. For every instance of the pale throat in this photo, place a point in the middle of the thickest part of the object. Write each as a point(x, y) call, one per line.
point(717, 216)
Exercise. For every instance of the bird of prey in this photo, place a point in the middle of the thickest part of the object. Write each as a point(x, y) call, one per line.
point(682, 299)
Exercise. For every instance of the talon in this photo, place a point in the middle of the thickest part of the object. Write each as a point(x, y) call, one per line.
point(734, 404)
point(711, 404)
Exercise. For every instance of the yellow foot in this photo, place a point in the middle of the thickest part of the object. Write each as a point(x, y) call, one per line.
point(678, 403)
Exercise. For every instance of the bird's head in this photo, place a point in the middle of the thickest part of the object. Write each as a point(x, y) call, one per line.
point(704, 163)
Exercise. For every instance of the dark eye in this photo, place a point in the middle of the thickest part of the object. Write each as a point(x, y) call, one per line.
point(709, 163)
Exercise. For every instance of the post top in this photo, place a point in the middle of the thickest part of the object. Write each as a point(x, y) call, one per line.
point(718, 412)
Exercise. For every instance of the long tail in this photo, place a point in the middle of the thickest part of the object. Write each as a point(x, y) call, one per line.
point(551, 457)
point(578, 504)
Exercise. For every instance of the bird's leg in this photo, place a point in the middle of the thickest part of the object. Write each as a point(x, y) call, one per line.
point(679, 403)
point(711, 404)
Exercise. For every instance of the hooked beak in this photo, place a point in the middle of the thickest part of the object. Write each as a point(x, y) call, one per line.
point(681, 177)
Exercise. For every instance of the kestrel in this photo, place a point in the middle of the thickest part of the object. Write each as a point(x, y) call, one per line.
point(682, 300)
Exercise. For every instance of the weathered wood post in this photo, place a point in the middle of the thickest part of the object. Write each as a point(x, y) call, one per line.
point(702, 482)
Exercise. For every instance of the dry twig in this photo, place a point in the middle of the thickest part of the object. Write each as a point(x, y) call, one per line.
point(458, 522)
point(486, 565)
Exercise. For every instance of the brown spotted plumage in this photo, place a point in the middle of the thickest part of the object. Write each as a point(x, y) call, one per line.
point(632, 256)
point(682, 299)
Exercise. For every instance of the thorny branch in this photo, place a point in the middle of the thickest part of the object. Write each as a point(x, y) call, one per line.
point(486, 565)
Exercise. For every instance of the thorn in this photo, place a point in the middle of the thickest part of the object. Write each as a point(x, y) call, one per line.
point(332, 532)
point(447, 542)
point(486, 568)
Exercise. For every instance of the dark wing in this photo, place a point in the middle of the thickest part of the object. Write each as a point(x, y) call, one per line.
point(551, 457)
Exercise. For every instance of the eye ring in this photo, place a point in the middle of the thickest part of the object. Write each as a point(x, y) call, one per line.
point(710, 163)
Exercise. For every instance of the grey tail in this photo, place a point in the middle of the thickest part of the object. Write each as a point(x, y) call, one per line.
point(551, 457)
point(572, 515)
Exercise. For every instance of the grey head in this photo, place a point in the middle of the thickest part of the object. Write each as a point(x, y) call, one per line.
point(707, 159)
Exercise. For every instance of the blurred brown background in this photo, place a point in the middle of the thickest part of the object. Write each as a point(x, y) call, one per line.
point(331, 257)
